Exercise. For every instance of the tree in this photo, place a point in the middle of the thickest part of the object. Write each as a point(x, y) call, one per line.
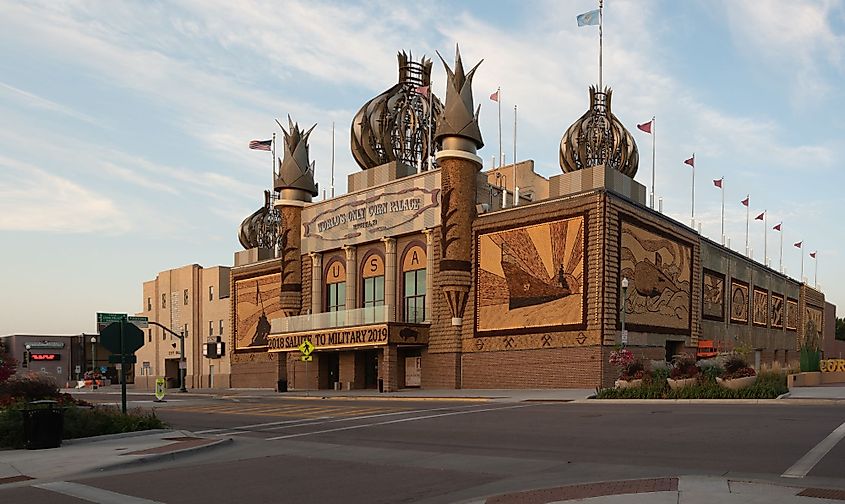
point(8, 366)
point(840, 329)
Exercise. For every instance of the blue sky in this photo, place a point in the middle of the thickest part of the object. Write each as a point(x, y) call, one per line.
point(123, 147)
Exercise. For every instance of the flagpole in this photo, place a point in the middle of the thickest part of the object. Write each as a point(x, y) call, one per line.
point(332, 187)
point(781, 247)
point(722, 187)
point(801, 248)
point(816, 273)
point(430, 126)
point(692, 219)
point(653, 134)
point(747, 215)
point(273, 161)
point(499, 103)
point(515, 187)
point(766, 238)
point(601, 23)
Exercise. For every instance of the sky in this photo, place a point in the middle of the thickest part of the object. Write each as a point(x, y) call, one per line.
point(123, 146)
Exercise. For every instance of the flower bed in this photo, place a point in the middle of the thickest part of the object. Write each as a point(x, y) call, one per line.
point(767, 386)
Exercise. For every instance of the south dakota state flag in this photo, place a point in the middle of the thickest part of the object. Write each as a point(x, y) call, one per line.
point(589, 18)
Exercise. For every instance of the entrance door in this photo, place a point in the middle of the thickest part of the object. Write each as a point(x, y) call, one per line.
point(371, 369)
point(333, 365)
point(171, 372)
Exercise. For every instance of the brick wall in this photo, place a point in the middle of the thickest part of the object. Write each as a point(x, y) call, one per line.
point(529, 369)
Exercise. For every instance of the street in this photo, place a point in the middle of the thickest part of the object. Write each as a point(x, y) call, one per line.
point(365, 450)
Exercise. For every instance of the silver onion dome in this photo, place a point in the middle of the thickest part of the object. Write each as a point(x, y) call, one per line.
point(599, 138)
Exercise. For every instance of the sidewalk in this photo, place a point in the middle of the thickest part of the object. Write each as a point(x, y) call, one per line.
point(683, 489)
point(90, 455)
point(831, 392)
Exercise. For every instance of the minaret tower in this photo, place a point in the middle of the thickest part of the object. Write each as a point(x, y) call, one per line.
point(459, 138)
point(296, 187)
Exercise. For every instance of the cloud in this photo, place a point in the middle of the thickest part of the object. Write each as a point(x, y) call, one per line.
point(31, 199)
point(39, 102)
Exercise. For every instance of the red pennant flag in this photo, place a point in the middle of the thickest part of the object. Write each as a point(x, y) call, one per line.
point(760, 217)
point(495, 96)
point(798, 244)
point(777, 226)
point(646, 126)
point(423, 90)
point(813, 254)
point(691, 161)
point(746, 200)
point(718, 183)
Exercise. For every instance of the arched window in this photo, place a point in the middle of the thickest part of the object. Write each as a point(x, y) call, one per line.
point(335, 286)
point(414, 282)
point(372, 288)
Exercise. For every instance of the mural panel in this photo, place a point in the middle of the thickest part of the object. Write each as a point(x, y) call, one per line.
point(257, 302)
point(659, 271)
point(714, 296)
point(777, 311)
point(792, 314)
point(531, 277)
point(814, 325)
point(761, 307)
point(739, 301)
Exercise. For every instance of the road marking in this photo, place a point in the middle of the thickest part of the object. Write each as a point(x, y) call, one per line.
point(808, 461)
point(92, 494)
point(321, 420)
point(400, 420)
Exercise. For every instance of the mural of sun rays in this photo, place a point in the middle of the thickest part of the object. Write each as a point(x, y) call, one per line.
point(531, 276)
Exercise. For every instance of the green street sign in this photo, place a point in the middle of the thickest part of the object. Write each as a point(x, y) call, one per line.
point(128, 359)
point(104, 319)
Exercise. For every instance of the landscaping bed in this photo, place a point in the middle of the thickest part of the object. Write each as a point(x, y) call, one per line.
point(767, 386)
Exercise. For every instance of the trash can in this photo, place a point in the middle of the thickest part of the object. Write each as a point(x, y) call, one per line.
point(380, 385)
point(43, 424)
point(282, 386)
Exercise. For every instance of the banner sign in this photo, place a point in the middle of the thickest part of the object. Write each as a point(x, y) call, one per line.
point(361, 336)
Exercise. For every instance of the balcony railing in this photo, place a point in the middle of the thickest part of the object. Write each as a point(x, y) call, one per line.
point(328, 320)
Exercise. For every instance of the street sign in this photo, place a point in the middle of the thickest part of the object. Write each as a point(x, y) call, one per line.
point(77, 369)
point(625, 337)
point(129, 359)
point(306, 347)
point(104, 319)
point(140, 322)
point(103, 369)
point(306, 358)
point(159, 389)
point(183, 364)
point(133, 338)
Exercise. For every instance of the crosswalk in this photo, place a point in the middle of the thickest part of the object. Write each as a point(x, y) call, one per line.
point(305, 411)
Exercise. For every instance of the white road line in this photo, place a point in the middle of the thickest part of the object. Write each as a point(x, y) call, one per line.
point(400, 420)
point(304, 422)
point(92, 494)
point(808, 461)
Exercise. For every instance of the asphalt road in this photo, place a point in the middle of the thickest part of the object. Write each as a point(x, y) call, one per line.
point(301, 450)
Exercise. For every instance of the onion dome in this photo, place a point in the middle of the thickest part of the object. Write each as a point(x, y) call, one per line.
point(458, 117)
point(394, 126)
point(260, 228)
point(598, 138)
point(295, 170)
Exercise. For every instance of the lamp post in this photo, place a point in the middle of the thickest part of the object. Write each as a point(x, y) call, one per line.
point(93, 362)
point(624, 297)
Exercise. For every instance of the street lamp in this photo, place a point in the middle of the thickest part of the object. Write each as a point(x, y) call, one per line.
point(93, 362)
point(624, 297)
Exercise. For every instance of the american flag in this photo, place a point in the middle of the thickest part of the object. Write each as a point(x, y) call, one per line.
point(260, 144)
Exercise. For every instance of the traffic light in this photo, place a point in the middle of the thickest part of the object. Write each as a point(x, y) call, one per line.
point(25, 361)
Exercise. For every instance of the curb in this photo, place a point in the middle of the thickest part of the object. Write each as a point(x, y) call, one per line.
point(789, 402)
point(386, 398)
point(109, 437)
point(168, 456)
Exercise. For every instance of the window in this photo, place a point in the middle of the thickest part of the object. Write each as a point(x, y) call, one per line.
point(211, 293)
point(414, 284)
point(149, 304)
point(164, 300)
point(336, 297)
point(149, 335)
point(373, 288)
point(211, 328)
point(221, 328)
point(415, 296)
point(374, 291)
point(186, 297)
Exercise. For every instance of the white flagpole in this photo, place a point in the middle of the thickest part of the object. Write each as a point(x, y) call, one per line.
point(765, 238)
point(692, 219)
point(723, 209)
point(781, 246)
point(273, 162)
point(747, 215)
point(601, 23)
point(515, 187)
point(816, 273)
point(332, 187)
point(653, 140)
point(430, 126)
point(801, 248)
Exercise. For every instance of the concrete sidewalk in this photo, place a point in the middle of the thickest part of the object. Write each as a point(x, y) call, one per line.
point(830, 392)
point(92, 455)
point(683, 489)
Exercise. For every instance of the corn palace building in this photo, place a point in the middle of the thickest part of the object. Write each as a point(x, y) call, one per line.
point(426, 275)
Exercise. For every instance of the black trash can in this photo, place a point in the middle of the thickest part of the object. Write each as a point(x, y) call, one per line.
point(282, 386)
point(380, 385)
point(43, 424)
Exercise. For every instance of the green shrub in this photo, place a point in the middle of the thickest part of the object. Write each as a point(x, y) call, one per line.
point(30, 387)
point(11, 428)
point(769, 385)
